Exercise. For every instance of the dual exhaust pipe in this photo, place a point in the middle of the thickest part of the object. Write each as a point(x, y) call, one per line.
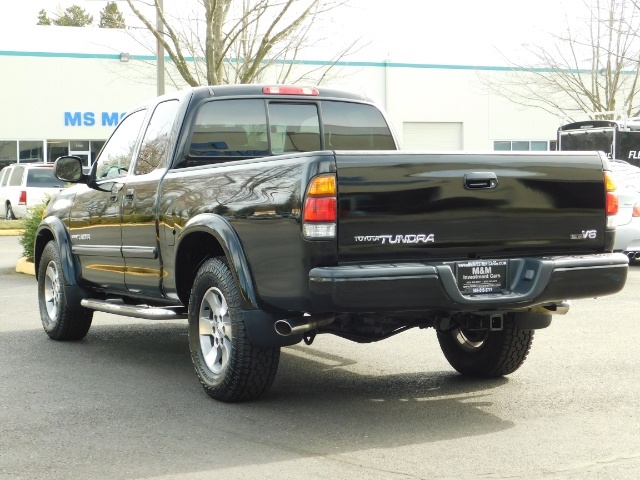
point(292, 326)
point(633, 255)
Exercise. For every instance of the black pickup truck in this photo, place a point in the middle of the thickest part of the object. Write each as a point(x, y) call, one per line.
point(266, 215)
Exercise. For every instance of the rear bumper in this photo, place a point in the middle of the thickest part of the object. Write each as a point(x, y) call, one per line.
point(433, 286)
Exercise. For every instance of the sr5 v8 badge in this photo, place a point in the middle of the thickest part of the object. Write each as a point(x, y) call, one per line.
point(393, 239)
point(585, 235)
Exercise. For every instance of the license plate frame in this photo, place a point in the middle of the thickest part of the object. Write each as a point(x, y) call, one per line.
point(482, 277)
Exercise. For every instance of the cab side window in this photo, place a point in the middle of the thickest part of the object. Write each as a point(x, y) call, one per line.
point(16, 177)
point(117, 154)
point(157, 139)
point(4, 176)
point(230, 128)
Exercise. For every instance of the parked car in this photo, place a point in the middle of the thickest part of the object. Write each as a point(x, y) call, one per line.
point(627, 178)
point(24, 185)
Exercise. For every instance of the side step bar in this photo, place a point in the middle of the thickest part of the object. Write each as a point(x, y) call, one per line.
point(137, 311)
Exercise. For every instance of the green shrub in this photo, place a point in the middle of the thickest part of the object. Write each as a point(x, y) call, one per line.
point(31, 222)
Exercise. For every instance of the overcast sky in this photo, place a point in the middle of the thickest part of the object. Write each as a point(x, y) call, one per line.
point(416, 31)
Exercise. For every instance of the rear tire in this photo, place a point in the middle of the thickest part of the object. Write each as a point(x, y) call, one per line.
point(60, 319)
point(486, 354)
point(9, 212)
point(229, 367)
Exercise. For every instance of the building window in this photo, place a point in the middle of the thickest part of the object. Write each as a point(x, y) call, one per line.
point(8, 152)
point(96, 146)
point(540, 146)
point(31, 151)
point(522, 146)
point(57, 148)
point(519, 146)
point(502, 146)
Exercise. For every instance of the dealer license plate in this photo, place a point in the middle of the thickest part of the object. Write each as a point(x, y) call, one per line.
point(482, 276)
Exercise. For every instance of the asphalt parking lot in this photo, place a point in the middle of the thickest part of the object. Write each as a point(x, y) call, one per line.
point(125, 403)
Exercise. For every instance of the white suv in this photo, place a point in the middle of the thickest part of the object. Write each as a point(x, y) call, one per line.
point(24, 185)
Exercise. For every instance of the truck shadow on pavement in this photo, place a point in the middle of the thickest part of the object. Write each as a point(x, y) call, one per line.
point(126, 399)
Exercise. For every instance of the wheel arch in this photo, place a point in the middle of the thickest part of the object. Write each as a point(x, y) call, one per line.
point(206, 236)
point(52, 228)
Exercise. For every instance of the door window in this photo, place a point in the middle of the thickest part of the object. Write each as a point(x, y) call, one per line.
point(156, 141)
point(117, 154)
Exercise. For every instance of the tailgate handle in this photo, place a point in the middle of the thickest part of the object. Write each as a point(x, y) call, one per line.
point(480, 180)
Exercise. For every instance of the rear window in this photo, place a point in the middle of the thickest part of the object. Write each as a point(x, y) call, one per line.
point(247, 128)
point(355, 126)
point(42, 177)
point(625, 175)
point(587, 140)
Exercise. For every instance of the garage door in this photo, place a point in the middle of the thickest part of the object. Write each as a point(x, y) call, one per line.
point(432, 136)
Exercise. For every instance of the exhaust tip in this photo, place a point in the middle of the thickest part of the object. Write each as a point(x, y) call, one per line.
point(283, 328)
point(292, 326)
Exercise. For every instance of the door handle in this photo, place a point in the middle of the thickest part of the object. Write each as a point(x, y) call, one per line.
point(480, 180)
point(131, 193)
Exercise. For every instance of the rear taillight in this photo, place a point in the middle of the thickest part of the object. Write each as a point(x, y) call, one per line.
point(611, 199)
point(636, 210)
point(22, 200)
point(320, 213)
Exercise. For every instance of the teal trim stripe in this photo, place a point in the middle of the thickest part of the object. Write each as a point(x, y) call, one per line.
point(343, 63)
point(109, 56)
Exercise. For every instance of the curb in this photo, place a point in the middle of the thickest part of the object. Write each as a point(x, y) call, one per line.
point(10, 233)
point(24, 266)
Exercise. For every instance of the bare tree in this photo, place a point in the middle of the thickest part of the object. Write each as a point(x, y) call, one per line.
point(593, 66)
point(237, 41)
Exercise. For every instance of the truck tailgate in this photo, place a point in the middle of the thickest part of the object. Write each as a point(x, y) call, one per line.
point(405, 206)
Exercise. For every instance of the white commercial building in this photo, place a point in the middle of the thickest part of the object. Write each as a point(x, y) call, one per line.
point(63, 89)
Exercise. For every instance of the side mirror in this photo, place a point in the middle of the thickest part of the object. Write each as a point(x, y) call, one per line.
point(69, 169)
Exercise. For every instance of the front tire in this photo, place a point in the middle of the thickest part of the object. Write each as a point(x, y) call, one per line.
point(60, 319)
point(484, 353)
point(229, 367)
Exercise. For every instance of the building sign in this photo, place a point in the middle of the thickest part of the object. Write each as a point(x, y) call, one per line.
point(92, 119)
point(79, 145)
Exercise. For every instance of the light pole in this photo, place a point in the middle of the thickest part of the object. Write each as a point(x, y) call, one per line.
point(160, 50)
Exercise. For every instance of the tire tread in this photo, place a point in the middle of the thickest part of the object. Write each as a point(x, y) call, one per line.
point(73, 321)
point(503, 352)
point(252, 369)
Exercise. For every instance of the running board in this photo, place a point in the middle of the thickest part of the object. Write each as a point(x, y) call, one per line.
point(137, 311)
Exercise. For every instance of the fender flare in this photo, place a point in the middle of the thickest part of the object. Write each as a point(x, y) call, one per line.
point(228, 238)
point(259, 324)
point(58, 229)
